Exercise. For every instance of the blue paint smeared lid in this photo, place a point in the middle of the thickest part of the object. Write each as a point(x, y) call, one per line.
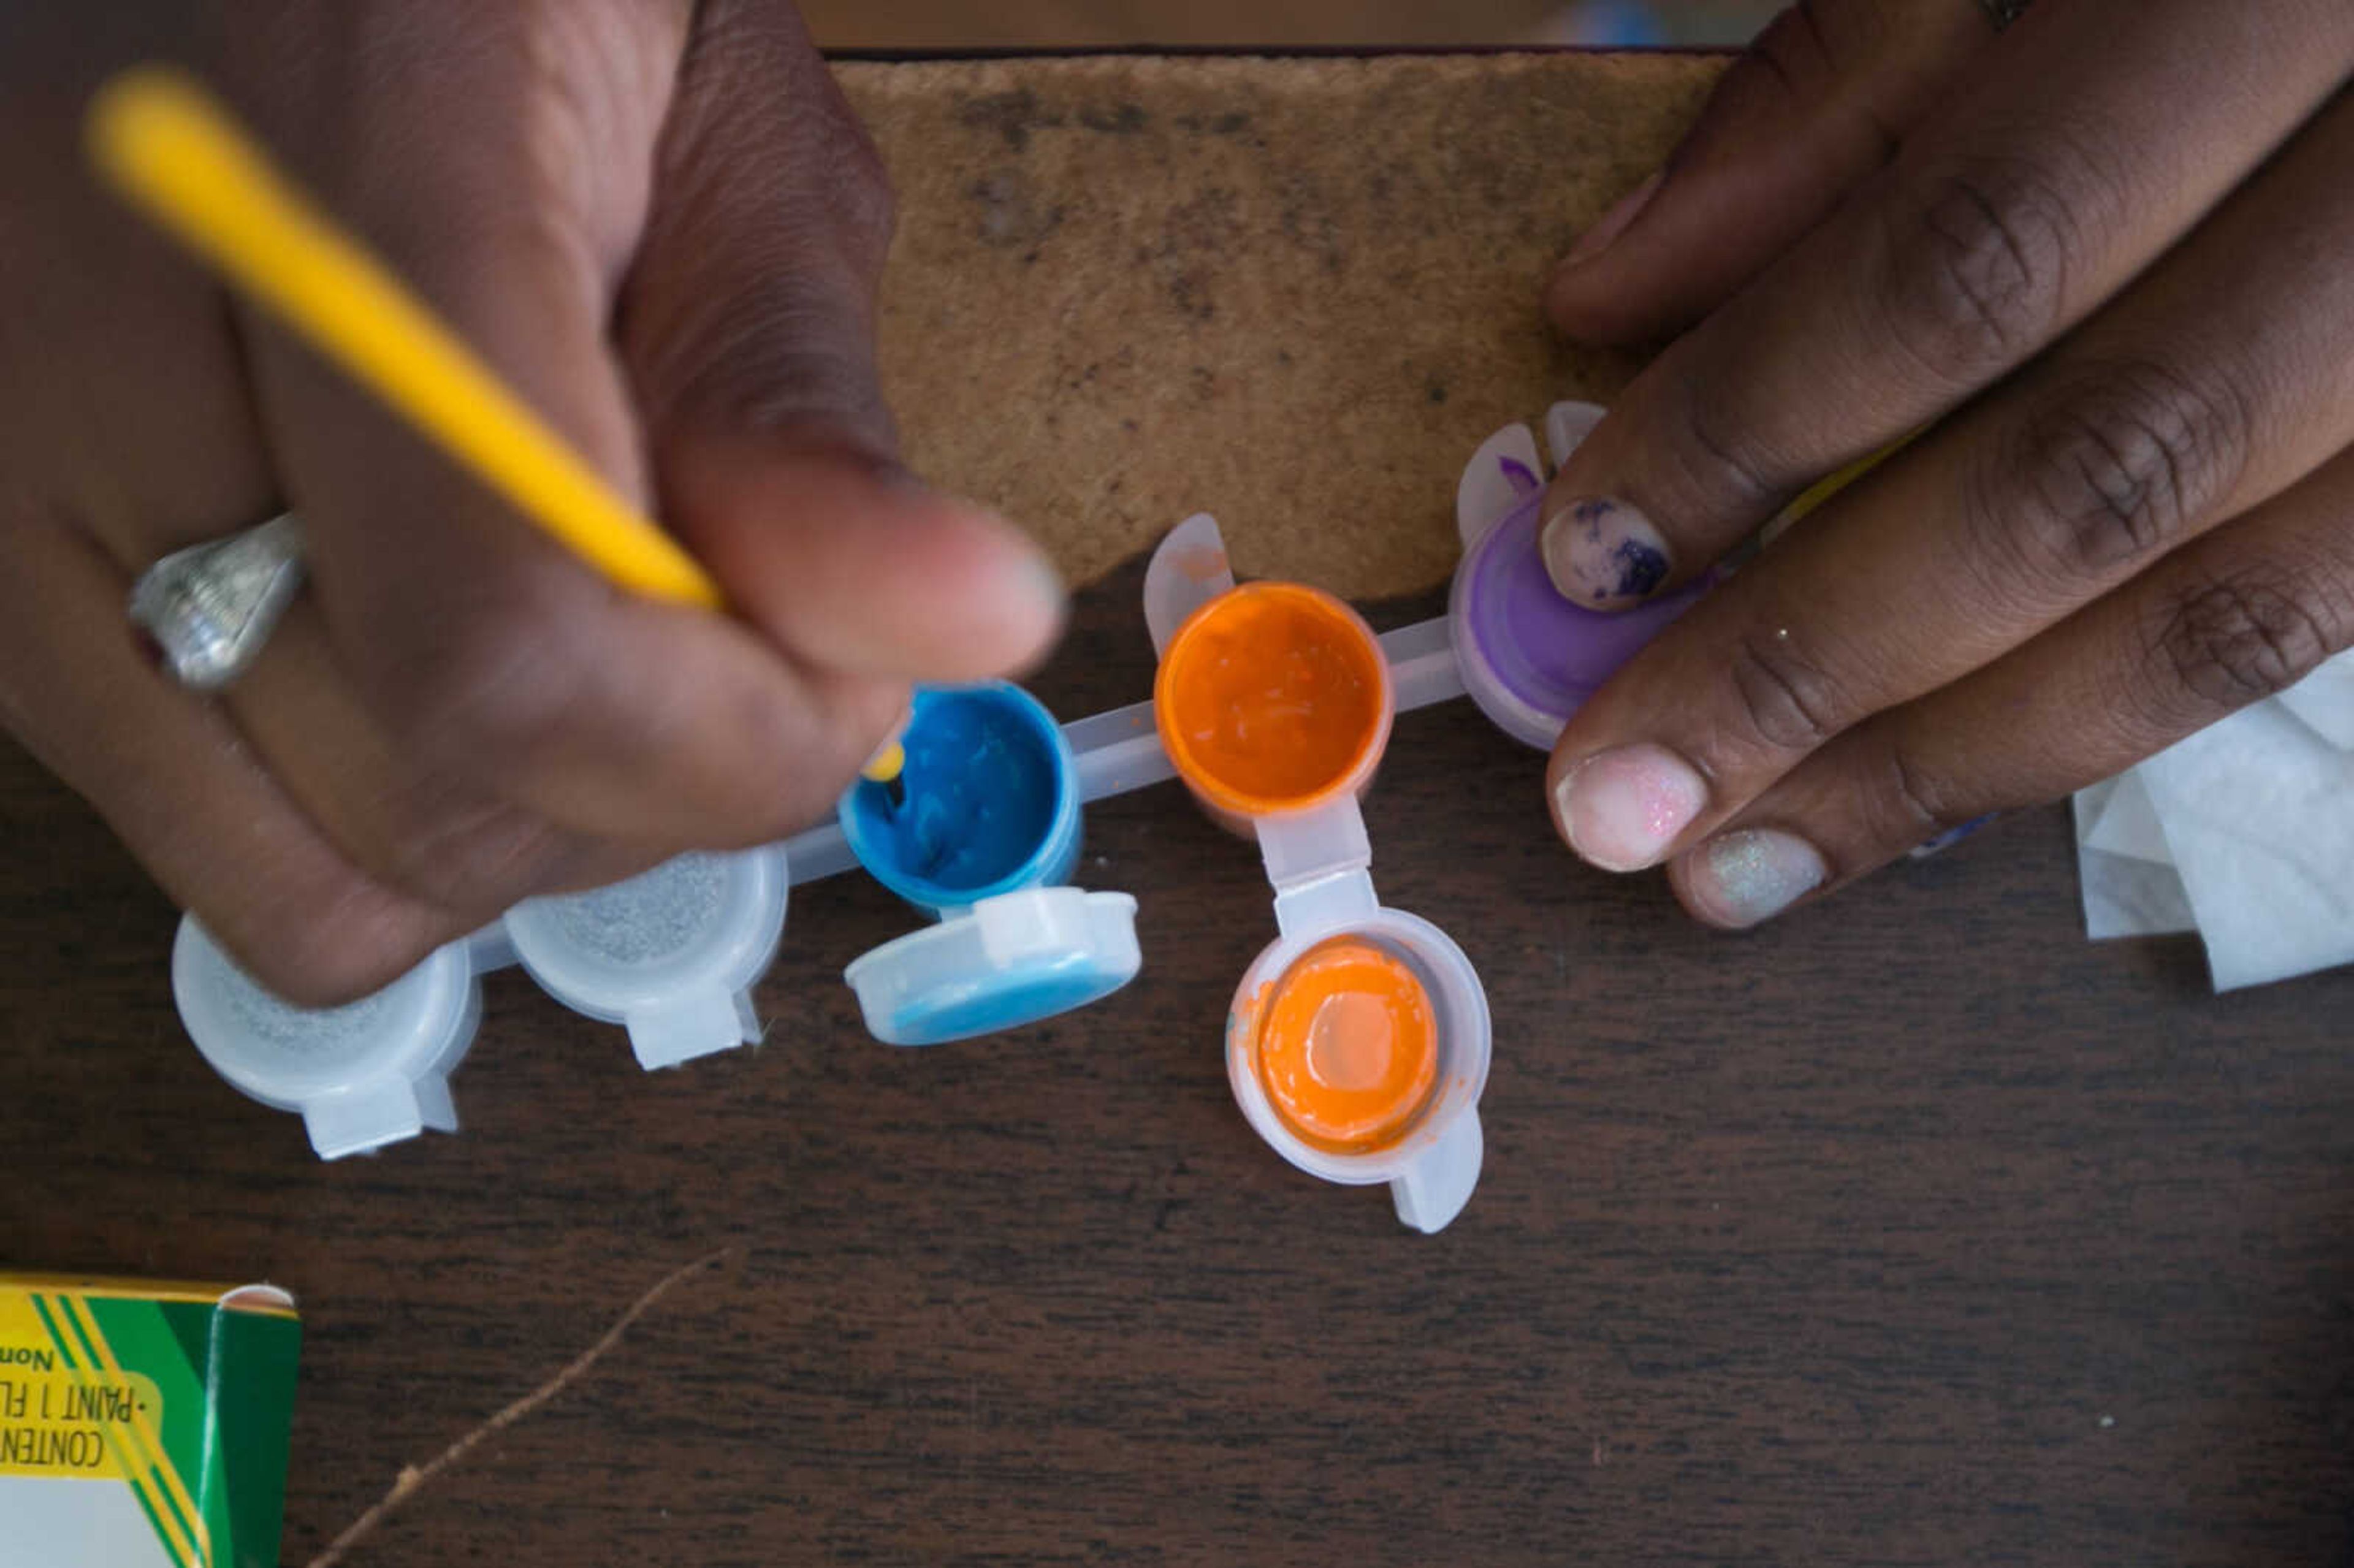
point(1010, 961)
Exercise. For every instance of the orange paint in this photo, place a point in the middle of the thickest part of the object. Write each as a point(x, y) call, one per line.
point(1347, 1045)
point(1271, 698)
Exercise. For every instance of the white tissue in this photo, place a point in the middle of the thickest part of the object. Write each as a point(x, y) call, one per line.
point(2243, 832)
point(2325, 701)
point(2130, 826)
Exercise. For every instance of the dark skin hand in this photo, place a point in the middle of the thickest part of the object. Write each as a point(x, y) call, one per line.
point(659, 221)
point(2103, 258)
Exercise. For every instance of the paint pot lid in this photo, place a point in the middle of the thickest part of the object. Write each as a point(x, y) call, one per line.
point(1007, 962)
point(1546, 652)
point(370, 1073)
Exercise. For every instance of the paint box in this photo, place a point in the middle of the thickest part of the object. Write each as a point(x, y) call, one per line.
point(144, 1425)
point(1529, 657)
point(981, 834)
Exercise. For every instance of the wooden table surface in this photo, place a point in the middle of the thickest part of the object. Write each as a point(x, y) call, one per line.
point(1917, 1230)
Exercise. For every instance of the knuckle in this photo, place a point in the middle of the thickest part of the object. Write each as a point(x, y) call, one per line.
point(2113, 470)
point(1917, 806)
point(1786, 700)
point(1976, 267)
point(800, 381)
point(2230, 641)
point(795, 349)
point(1719, 454)
point(1796, 51)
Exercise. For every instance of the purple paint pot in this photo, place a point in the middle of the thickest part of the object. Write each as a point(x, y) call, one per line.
point(1529, 657)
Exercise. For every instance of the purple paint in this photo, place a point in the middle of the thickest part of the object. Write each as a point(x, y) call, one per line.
point(1519, 476)
point(1548, 652)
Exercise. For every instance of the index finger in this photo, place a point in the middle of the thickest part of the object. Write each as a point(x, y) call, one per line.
point(2029, 197)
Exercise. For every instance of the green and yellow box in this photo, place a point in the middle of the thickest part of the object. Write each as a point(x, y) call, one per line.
point(141, 1425)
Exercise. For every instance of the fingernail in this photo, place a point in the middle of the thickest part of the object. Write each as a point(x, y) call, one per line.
point(1621, 810)
point(1613, 223)
point(1950, 837)
point(1738, 879)
point(1603, 553)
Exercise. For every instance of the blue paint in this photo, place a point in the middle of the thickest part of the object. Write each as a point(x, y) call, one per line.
point(1009, 1000)
point(992, 801)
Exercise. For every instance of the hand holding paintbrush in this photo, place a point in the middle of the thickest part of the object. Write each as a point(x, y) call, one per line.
point(455, 713)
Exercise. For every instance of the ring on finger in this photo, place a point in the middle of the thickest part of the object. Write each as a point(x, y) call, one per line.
point(209, 608)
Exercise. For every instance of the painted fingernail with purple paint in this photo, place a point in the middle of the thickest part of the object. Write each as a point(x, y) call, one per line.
point(1621, 809)
point(1739, 879)
point(1603, 553)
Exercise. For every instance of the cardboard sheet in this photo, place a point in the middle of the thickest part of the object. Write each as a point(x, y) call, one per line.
point(1293, 292)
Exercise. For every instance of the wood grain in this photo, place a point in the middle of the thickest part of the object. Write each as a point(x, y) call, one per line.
point(1914, 1230)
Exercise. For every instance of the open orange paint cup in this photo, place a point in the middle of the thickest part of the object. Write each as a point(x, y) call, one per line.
point(1357, 1047)
point(1273, 699)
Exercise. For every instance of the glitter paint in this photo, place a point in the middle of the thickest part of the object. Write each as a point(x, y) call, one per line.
point(305, 1034)
point(651, 917)
point(1621, 809)
point(1345, 1045)
point(1272, 699)
point(992, 801)
point(1755, 873)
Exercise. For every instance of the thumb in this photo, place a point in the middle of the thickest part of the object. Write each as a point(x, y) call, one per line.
point(747, 328)
point(1818, 102)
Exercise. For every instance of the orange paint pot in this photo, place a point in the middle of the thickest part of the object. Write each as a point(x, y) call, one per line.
point(1345, 1045)
point(1272, 699)
point(1357, 1046)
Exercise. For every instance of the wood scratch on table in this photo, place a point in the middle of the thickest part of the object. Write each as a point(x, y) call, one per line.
point(414, 1477)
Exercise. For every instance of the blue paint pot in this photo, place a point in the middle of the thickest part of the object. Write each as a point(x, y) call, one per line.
point(992, 801)
point(983, 837)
